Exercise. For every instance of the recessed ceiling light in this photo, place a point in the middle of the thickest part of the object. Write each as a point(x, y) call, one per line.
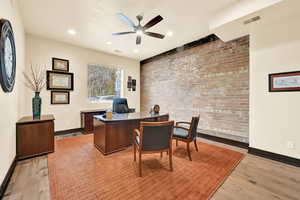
point(139, 32)
point(108, 43)
point(72, 32)
point(135, 51)
point(170, 33)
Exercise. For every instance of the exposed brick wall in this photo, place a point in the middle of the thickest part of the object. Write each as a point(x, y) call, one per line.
point(211, 80)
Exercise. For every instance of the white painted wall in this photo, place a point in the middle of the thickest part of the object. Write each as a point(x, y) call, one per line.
point(274, 47)
point(229, 23)
point(239, 10)
point(40, 51)
point(9, 101)
point(274, 117)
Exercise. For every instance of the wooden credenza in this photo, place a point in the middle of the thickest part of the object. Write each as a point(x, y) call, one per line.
point(87, 117)
point(35, 136)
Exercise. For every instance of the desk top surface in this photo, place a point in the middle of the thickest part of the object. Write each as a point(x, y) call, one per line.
point(93, 111)
point(29, 119)
point(129, 116)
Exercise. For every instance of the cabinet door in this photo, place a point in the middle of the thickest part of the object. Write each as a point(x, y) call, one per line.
point(99, 135)
point(119, 134)
point(34, 139)
point(89, 126)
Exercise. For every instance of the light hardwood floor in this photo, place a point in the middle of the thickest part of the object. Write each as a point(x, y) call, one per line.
point(29, 181)
point(255, 178)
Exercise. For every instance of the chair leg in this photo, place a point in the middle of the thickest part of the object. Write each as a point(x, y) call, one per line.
point(195, 142)
point(176, 142)
point(170, 160)
point(161, 154)
point(140, 164)
point(134, 152)
point(188, 150)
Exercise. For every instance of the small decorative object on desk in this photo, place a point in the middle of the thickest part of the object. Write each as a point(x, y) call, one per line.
point(155, 109)
point(36, 80)
point(108, 114)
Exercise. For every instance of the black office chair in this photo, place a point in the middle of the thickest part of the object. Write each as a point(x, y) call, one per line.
point(120, 106)
point(153, 137)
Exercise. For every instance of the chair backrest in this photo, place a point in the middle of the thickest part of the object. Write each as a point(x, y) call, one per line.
point(193, 127)
point(120, 105)
point(156, 136)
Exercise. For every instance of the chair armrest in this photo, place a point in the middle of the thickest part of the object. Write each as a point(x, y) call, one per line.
point(136, 132)
point(131, 110)
point(183, 123)
point(182, 128)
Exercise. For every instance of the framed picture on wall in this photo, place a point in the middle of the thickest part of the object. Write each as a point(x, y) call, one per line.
point(129, 83)
point(60, 97)
point(133, 83)
point(284, 82)
point(59, 64)
point(60, 80)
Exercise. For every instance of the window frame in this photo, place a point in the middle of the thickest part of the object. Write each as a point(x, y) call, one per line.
point(122, 83)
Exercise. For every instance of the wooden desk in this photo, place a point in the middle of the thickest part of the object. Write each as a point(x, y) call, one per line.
point(87, 117)
point(35, 136)
point(116, 134)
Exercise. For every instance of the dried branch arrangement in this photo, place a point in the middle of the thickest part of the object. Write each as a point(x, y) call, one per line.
point(36, 78)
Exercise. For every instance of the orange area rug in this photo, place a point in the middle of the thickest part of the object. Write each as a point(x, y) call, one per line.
point(77, 170)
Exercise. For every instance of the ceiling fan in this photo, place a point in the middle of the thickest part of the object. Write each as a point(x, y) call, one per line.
point(139, 29)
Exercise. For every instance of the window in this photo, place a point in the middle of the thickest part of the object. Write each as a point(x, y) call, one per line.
point(104, 83)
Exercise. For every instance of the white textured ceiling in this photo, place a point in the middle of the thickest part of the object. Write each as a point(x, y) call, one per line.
point(95, 21)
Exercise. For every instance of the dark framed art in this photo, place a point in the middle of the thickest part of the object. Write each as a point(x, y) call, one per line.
point(59, 64)
point(7, 56)
point(133, 83)
point(129, 83)
point(284, 82)
point(60, 80)
point(60, 97)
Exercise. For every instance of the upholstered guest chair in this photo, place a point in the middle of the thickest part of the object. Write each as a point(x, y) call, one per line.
point(187, 132)
point(153, 137)
point(120, 105)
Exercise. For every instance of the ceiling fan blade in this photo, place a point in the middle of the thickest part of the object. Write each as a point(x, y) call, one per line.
point(156, 35)
point(138, 39)
point(125, 19)
point(153, 22)
point(123, 33)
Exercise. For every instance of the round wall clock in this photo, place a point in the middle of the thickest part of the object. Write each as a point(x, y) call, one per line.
point(7, 56)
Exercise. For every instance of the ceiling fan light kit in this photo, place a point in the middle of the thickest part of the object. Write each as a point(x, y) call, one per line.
point(138, 29)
